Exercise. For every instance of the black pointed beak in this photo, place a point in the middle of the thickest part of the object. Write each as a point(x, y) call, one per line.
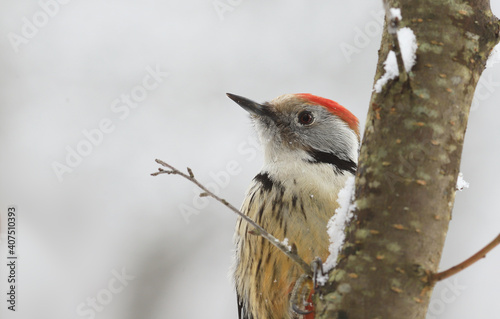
point(250, 106)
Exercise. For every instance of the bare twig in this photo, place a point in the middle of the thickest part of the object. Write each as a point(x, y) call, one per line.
point(468, 262)
point(392, 29)
point(258, 229)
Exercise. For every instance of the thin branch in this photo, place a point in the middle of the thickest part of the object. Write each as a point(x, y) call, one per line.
point(471, 260)
point(392, 29)
point(258, 229)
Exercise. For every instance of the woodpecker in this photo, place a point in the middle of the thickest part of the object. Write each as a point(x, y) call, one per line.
point(310, 148)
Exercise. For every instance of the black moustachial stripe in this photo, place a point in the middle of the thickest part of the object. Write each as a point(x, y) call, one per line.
point(265, 180)
point(329, 158)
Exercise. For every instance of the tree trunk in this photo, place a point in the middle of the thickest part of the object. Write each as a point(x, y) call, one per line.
point(408, 166)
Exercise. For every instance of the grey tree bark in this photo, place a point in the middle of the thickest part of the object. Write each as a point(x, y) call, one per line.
point(408, 166)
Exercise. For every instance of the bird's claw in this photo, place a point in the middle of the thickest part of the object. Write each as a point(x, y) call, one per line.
point(317, 268)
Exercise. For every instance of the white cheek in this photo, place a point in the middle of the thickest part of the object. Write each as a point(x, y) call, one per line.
point(351, 140)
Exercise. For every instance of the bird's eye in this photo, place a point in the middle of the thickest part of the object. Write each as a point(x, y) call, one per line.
point(305, 118)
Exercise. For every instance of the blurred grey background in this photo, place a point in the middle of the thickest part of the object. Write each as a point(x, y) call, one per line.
point(93, 91)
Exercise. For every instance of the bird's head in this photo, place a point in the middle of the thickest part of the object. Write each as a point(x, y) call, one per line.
point(305, 127)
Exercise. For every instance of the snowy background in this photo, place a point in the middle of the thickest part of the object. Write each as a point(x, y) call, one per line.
point(102, 238)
